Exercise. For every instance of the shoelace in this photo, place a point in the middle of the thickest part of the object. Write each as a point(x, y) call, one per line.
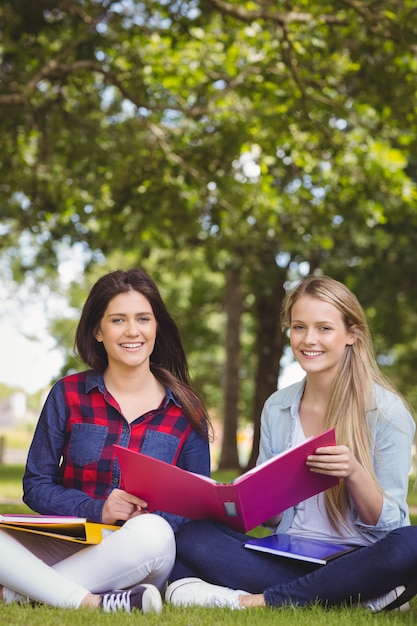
point(117, 601)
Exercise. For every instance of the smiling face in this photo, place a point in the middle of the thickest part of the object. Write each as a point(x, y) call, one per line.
point(318, 335)
point(128, 330)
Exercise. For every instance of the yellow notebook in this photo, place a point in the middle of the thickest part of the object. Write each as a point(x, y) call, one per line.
point(76, 529)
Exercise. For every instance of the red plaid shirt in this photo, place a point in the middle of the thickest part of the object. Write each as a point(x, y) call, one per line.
point(71, 461)
point(94, 424)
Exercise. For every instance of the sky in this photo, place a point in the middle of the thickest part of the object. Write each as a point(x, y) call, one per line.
point(29, 357)
point(26, 364)
point(291, 372)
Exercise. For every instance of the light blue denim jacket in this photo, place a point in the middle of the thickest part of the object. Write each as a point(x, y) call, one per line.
point(393, 430)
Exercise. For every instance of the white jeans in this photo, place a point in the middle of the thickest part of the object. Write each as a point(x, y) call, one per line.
point(61, 573)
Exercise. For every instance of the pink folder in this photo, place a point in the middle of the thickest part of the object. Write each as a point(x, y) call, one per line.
point(249, 500)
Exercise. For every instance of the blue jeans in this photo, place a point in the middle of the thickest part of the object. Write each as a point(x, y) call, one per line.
point(216, 554)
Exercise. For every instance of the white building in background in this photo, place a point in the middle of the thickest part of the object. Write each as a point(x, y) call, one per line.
point(18, 405)
point(13, 410)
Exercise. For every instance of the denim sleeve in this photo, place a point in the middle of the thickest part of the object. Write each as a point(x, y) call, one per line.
point(277, 427)
point(194, 457)
point(393, 428)
point(42, 488)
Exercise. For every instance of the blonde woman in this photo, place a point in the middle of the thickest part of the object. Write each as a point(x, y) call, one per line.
point(343, 388)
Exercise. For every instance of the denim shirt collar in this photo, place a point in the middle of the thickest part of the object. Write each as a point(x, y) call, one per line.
point(289, 397)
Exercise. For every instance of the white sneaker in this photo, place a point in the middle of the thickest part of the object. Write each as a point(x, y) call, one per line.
point(10, 596)
point(379, 604)
point(196, 592)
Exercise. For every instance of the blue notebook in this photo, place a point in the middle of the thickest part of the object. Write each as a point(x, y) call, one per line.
point(295, 547)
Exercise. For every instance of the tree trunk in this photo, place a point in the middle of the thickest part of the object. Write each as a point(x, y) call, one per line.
point(270, 345)
point(233, 306)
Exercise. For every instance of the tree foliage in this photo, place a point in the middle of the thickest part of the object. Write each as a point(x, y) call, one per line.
point(216, 141)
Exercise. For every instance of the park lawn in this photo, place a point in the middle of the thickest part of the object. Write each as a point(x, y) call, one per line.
point(16, 615)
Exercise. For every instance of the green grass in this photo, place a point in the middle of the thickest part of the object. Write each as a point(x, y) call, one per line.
point(11, 482)
point(15, 615)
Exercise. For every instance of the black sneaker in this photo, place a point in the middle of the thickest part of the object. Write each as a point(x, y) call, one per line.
point(145, 598)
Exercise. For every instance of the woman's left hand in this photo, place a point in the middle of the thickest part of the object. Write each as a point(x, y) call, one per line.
point(333, 461)
point(364, 491)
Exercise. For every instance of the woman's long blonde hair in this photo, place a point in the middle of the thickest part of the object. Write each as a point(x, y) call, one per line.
point(353, 389)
